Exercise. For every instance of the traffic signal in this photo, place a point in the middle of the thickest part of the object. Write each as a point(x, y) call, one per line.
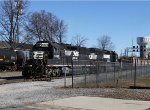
point(143, 48)
point(135, 48)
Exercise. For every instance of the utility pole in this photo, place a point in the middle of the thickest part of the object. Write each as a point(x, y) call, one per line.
point(135, 73)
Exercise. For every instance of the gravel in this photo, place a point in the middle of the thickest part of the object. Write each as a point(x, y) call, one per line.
point(26, 93)
point(10, 74)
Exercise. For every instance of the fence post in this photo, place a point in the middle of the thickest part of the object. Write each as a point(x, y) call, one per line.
point(96, 73)
point(131, 70)
point(135, 74)
point(85, 77)
point(72, 69)
point(64, 71)
point(105, 71)
point(146, 66)
point(121, 67)
point(114, 72)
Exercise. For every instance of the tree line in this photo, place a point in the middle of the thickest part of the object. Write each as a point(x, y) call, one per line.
point(18, 26)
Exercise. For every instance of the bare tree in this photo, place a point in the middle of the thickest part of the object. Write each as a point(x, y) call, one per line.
point(45, 26)
point(104, 43)
point(11, 17)
point(79, 41)
point(61, 30)
point(29, 39)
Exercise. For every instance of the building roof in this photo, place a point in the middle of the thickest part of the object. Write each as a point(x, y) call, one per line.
point(21, 46)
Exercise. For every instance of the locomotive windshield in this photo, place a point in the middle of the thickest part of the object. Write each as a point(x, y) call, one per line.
point(42, 47)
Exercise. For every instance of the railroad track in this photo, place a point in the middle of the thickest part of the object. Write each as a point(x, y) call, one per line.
point(16, 77)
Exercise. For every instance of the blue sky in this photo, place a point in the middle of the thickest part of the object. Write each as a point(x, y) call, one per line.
point(123, 21)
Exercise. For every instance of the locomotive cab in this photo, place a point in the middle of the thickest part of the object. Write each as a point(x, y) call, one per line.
point(43, 47)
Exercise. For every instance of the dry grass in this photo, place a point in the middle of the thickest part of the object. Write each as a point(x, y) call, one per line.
point(140, 82)
point(143, 81)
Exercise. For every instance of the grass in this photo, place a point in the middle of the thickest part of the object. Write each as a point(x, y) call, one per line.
point(140, 82)
point(143, 81)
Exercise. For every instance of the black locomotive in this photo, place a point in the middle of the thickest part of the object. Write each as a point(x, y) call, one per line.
point(49, 59)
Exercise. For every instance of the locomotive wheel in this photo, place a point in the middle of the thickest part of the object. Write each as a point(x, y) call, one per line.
point(56, 72)
point(59, 72)
point(39, 72)
point(27, 73)
point(3, 68)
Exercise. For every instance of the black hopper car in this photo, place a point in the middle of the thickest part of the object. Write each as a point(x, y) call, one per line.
point(49, 59)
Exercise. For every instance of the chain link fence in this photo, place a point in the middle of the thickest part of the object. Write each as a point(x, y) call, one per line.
point(88, 73)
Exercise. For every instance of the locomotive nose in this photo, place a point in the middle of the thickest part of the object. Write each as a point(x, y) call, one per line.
point(38, 54)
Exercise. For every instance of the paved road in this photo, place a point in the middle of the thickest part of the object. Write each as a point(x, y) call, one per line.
point(97, 103)
point(87, 103)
